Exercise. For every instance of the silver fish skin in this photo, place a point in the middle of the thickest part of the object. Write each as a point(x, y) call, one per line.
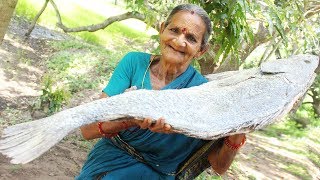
point(230, 103)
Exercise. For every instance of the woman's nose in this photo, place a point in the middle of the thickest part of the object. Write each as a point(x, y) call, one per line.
point(180, 40)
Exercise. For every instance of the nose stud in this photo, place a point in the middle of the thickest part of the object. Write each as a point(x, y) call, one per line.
point(184, 30)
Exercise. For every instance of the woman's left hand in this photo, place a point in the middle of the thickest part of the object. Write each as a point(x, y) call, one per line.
point(159, 126)
point(237, 138)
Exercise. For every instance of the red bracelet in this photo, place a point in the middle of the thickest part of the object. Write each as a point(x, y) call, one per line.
point(106, 135)
point(125, 125)
point(234, 146)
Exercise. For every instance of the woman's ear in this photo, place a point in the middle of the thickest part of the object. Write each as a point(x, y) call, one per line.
point(161, 28)
point(202, 51)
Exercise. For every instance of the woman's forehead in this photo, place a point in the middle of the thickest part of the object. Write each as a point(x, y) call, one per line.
point(191, 21)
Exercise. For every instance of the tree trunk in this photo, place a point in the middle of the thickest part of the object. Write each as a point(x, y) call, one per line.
point(207, 66)
point(229, 64)
point(6, 9)
point(315, 100)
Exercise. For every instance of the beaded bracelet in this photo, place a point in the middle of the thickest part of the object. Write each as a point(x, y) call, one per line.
point(106, 135)
point(234, 146)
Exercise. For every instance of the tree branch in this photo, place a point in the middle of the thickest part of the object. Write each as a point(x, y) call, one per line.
point(312, 11)
point(36, 18)
point(56, 10)
point(262, 36)
point(256, 19)
point(104, 24)
point(96, 27)
point(313, 3)
point(307, 102)
point(270, 45)
point(274, 49)
point(146, 3)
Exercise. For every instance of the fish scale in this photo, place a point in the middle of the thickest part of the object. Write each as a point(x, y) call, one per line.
point(230, 103)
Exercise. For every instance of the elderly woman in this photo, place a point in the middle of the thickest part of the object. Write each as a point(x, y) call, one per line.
point(140, 149)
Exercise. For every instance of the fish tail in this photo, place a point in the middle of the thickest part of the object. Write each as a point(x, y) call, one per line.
point(27, 141)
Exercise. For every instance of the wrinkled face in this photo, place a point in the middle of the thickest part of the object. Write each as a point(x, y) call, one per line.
point(180, 41)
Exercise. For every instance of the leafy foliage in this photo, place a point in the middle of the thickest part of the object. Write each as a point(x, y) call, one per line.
point(53, 98)
point(315, 90)
point(229, 24)
point(228, 17)
point(300, 34)
point(286, 128)
point(232, 27)
point(155, 11)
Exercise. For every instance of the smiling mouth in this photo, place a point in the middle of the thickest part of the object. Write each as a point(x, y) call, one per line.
point(176, 50)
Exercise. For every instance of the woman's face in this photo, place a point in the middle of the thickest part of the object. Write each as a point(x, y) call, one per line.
point(180, 41)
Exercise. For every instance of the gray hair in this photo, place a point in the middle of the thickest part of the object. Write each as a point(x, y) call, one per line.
point(199, 11)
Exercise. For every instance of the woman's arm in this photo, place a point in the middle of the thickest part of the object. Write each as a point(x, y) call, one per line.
point(221, 158)
point(91, 131)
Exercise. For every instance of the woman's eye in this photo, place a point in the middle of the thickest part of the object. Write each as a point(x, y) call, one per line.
point(191, 39)
point(175, 30)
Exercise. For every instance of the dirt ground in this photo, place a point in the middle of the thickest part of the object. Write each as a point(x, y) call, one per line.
point(21, 68)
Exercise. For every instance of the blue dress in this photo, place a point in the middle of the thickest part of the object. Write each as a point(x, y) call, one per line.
point(162, 152)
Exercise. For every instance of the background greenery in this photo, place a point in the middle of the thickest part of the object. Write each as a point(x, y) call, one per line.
point(246, 33)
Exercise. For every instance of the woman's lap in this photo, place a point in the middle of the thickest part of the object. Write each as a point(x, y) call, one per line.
point(137, 171)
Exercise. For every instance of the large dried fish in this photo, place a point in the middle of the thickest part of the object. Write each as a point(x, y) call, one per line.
point(232, 102)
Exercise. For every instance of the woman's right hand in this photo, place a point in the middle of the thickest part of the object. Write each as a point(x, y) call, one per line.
point(159, 126)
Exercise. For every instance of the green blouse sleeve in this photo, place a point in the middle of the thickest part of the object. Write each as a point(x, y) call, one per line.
point(121, 77)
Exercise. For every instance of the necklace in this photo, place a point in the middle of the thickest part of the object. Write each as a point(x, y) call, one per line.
point(154, 85)
point(145, 73)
